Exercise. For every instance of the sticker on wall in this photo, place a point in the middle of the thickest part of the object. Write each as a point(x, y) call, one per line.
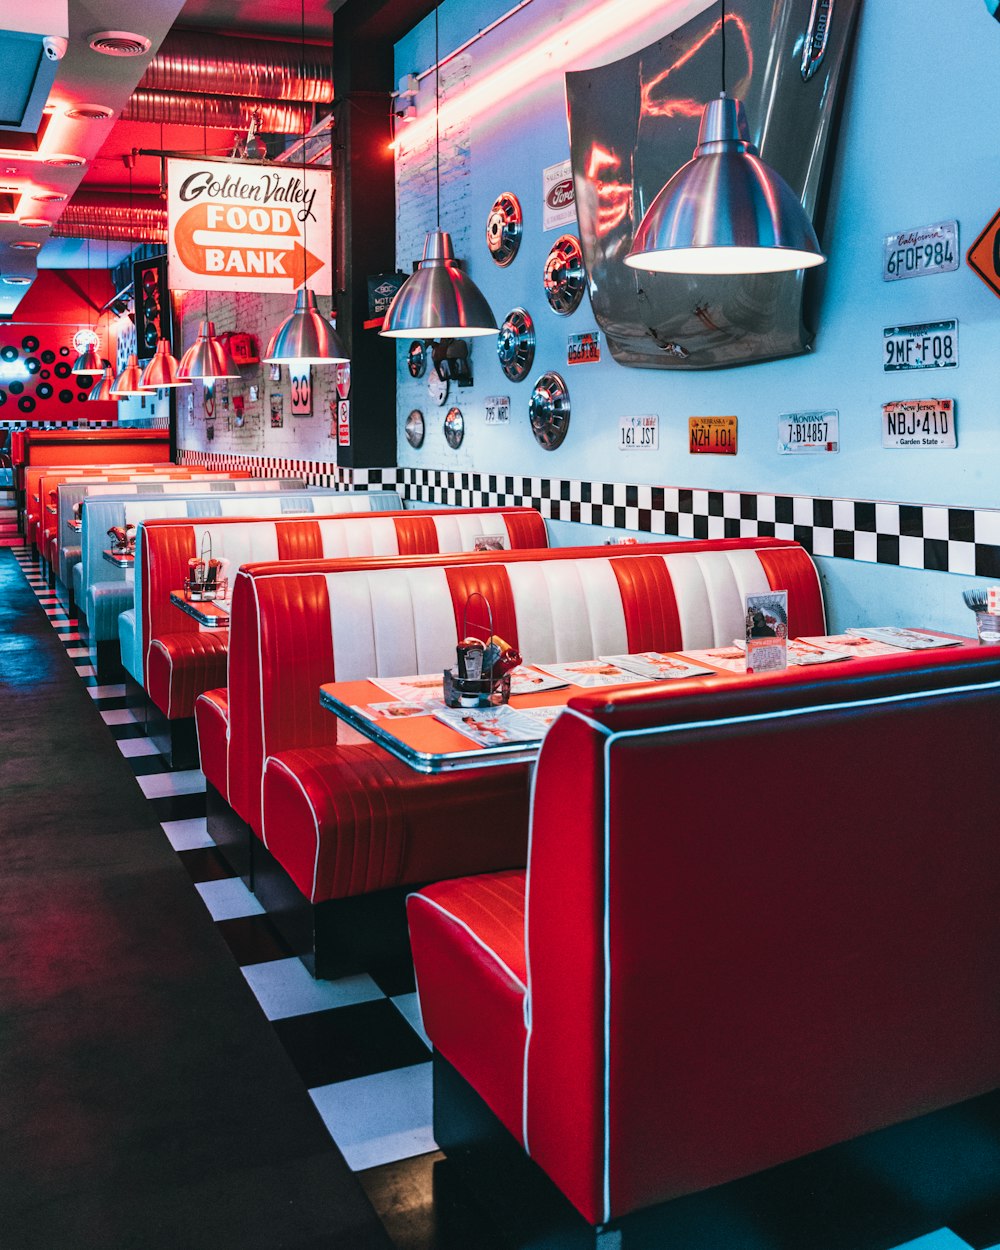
point(190, 399)
point(583, 349)
point(382, 288)
point(208, 397)
point(343, 379)
point(919, 423)
point(982, 255)
point(343, 423)
point(714, 436)
point(931, 345)
point(254, 394)
point(809, 433)
point(639, 433)
point(275, 373)
point(558, 196)
point(920, 251)
point(497, 409)
point(277, 411)
point(300, 385)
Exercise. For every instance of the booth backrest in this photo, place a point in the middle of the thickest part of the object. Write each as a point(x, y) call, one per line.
point(164, 548)
point(104, 447)
point(293, 628)
point(41, 480)
point(758, 923)
point(99, 514)
point(71, 493)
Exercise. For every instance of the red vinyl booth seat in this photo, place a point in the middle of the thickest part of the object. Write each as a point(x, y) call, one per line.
point(756, 921)
point(344, 819)
point(178, 669)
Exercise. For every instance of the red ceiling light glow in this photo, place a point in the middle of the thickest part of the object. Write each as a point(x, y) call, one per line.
point(25, 245)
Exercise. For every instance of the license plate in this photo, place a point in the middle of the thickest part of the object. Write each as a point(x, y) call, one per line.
point(498, 410)
point(919, 423)
point(638, 433)
point(920, 251)
point(712, 436)
point(808, 433)
point(933, 345)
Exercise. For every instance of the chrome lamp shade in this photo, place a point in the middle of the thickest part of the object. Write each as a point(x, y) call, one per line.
point(88, 362)
point(103, 388)
point(129, 381)
point(725, 211)
point(162, 369)
point(439, 300)
point(206, 359)
point(305, 337)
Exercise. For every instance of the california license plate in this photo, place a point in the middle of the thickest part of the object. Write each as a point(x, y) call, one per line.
point(933, 345)
point(922, 250)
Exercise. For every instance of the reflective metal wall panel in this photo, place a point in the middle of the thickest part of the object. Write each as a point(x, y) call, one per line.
point(634, 123)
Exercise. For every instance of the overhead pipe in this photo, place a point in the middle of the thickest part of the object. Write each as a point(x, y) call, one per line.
point(225, 112)
point(267, 69)
point(113, 215)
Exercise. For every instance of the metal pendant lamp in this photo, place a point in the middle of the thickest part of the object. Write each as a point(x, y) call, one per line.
point(726, 211)
point(162, 370)
point(439, 300)
point(103, 388)
point(129, 381)
point(88, 360)
point(206, 359)
point(305, 337)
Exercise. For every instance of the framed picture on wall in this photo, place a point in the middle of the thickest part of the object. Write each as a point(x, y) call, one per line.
point(277, 411)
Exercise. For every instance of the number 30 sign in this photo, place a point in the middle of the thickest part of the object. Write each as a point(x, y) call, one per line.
point(301, 383)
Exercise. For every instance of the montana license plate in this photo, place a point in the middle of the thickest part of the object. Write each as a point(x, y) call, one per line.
point(808, 433)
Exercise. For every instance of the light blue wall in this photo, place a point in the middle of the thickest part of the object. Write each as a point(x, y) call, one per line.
point(917, 145)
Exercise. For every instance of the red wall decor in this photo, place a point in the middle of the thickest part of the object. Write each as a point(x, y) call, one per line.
point(37, 353)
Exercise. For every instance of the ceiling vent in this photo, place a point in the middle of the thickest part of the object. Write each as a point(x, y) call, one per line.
point(120, 43)
point(64, 162)
point(49, 197)
point(25, 245)
point(90, 113)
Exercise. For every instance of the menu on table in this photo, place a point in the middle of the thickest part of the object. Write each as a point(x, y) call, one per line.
point(498, 726)
point(908, 639)
point(590, 673)
point(801, 652)
point(395, 710)
point(429, 687)
point(656, 665)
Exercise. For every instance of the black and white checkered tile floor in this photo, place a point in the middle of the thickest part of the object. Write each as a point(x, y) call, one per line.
point(358, 1042)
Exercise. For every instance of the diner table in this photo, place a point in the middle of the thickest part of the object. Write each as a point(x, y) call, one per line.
point(429, 745)
point(120, 559)
point(209, 613)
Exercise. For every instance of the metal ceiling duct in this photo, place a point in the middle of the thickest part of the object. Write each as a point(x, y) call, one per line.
point(267, 69)
point(226, 112)
point(105, 214)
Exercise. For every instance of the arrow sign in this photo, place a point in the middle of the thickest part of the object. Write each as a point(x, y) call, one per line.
point(247, 228)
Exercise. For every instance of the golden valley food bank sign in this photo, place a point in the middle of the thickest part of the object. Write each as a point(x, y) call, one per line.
point(234, 227)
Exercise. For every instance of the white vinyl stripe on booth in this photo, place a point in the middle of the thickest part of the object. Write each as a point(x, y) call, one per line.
point(567, 610)
point(239, 544)
point(375, 537)
point(412, 625)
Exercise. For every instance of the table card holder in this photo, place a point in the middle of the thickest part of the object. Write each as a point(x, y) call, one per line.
point(206, 576)
point(481, 676)
point(767, 632)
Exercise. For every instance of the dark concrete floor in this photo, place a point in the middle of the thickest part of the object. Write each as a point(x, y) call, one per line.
point(144, 1099)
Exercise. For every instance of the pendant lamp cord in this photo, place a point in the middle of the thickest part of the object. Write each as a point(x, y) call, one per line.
point(302, 80)
point(437, 112)
point(723, 27)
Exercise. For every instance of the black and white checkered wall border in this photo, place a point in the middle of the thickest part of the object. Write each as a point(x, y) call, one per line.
point(917, 536)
